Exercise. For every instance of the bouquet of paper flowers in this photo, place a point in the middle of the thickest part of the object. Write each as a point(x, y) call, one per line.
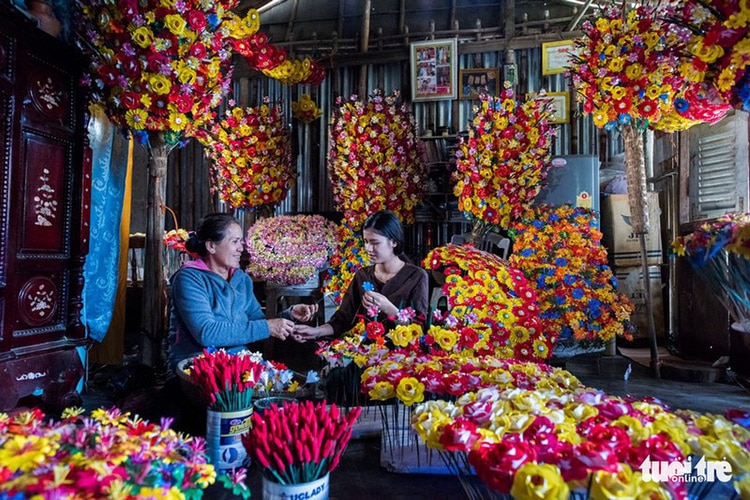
point(305, 109)
point(559, 252)
point(272, 61)
point(107, 455)
point(176, 238)
point(299, 442)
point(250, 150)
point(501, 164)
point(349, 257)
point(290, 249)
point(487, 295)
point(719, 252)
point(226, 380)
point(375, 159)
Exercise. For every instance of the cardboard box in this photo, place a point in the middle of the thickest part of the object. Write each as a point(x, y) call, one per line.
point(623, 246)
point(630, 283)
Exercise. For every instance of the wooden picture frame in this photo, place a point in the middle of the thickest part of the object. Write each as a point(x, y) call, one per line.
point(555, 56)
point(474, 82)
point(433, 69)
point(560, 106)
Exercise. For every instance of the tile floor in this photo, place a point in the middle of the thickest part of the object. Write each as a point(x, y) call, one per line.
point(361, 476)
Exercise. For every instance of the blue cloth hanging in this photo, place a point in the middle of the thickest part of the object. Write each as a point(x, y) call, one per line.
point(100, 271)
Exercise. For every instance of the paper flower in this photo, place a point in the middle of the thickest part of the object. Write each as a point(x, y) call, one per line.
point(272, 61)
point(305, 109)
point(501, 164)
point(299, 442)
point(559, 251)
point(107, 455)
point(487, 295)
point(290, 249)
point(250, 150)
point(375, 159)
point(176, 239)
point(161, 66)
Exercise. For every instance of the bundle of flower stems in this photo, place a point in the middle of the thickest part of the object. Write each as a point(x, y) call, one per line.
point(299, 442)
point(226, 380)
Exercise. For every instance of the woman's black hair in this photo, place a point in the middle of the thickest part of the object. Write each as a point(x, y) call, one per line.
point(387, 224)
point(212, 227)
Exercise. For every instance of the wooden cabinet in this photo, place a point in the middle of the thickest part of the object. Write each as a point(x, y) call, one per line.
point(44, 210)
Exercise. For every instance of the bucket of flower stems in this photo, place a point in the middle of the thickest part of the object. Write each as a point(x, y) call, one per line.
point(299, 443)
point(226, 381)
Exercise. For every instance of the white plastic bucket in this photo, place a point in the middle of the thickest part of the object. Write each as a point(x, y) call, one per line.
point(314, 490)
point(224, 430)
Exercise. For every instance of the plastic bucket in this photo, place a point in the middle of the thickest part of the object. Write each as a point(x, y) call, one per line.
point(224, 430)
point(314, 490)
point(262, 404)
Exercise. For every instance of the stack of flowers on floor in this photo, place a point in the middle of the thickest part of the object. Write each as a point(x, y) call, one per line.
point(107, 455)
point(559, 251)
point(290, 249)
point(545, 435)
point(375, 162)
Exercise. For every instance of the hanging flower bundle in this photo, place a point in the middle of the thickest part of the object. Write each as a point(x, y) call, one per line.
point(501, 164)
point(485, 293)
point(272, 61)
point(161, 66)
point(251, 154)
point(290, 249)
point(107, 455)
point(176, 239)
point(305, 109)
point(559, 251)
point(299, 442)
point(375, 159)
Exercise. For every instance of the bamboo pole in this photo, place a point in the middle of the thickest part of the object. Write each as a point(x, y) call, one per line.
point(365, 47)
point(638, 201)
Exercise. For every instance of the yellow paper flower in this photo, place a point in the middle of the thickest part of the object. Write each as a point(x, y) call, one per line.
point(539, 481)
point(410, 391)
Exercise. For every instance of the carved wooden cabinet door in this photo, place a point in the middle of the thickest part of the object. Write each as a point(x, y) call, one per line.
point(44, 209)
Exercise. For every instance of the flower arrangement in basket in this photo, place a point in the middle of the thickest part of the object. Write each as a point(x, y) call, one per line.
point(559, 250)
point(484, 292)
point(719, 251)
point(556, 439)
point(299, 442)
point(226, 380)
point(250, 150)
point(290, 249)
point(106, 455)
point(500, 166)
point(375, 159)
point(305, 109)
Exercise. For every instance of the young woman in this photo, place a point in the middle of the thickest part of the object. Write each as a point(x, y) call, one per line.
point(213, 303)
point(390, 284)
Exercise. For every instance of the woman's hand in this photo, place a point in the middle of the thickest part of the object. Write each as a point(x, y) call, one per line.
point(303, 333)
point(280, 328)
point(370, 299)
point(304, 312)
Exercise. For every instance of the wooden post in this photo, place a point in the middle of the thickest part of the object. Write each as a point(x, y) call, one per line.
point(154, 319)
point(365, 46)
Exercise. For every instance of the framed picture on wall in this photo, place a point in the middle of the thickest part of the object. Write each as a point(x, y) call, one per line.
point(560, 106)
point(555, 56)
point(474, 82)
point(433, 69)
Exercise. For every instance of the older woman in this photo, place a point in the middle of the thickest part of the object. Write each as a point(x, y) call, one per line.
point(213, 303)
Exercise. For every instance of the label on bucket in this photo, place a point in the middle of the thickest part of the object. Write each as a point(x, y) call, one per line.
point(224, 432)
point(314, 490)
